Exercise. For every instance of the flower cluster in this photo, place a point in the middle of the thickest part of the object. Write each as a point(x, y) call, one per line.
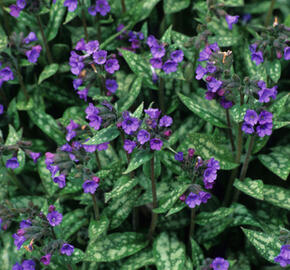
point(231, 20)
point(84, 67)
point(6, 74)
point(274, 39)
point(32, 52)
point(220, 264)
point(149, 132)
point(266, 93)
point(219, 84)
point(25, 265)
point(197, 168)
point(90, 186)
point(15, 9)
point(284, 257)
point(261, 124)
point(168, 63)
point(101, 6)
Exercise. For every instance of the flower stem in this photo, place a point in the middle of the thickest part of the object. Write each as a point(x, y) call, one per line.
point(161, 95)
point(230, 130)
point(20, 79)
point(245, 166)
point(98, 160)
point(6, 24)
point(84, 22)
point(237, 160)
point(154, 195)
point(192, 223)
point(99, 34)
point(48, 53)
point(96, 208)
point(123, 6)
point(269, 13)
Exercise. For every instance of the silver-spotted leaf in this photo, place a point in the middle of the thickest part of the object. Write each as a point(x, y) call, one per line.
point(253, 188)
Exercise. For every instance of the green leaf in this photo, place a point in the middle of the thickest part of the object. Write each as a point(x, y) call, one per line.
point(3, 39)
point(253, 188)
point(267, 246)
point(277, 107)
point(277, 162)
point(169, 252)
point(138, 112)
point(48, 71)
point(242, 216)
point(140, 66)
point(71, 223)
point(47, 124)
point(138, 158)
point(98, 227)
point(203, 218)
point(196, 253)
point(238, 112)
point(115, 246)
point(172, 6)
point(70, 16)
point(126, 102)
point(274, 70)
point(167, 201)
point(166, 38)
point(24, 201)
point(231, 3)
point(209, 111)
point(259, 143)
point(224, 41)
point(139, 260)
point(13, 137)
point(104, 135)
point(177, 207)
point(122, 186)
point(277, 196)
point(56, 14)
point(207, 146)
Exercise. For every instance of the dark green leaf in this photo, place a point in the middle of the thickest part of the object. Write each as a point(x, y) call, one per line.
point(138, 158)
point(197, 254)
point(253, 188)
point(274, 70)
point(203, 218)
point(48, 71)
point(172, 6)
point(98, 227)
point(139, 260)
point(277, 196)
point(104, 135)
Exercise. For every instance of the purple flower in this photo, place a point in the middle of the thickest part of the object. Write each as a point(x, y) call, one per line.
point(60, 180)
point(265, 117)
point(92, 115)
point(77, 83)
point(253, 47)
point(284, 257)
point(179, 156)
point(30, 38)
point(21, 3)
point(231, 20)
point(129, 146)
point(45, 259)
point(143, 136)
point(92, 10)
point(209, 176)
point(54, 218)
point(152, 41)
point(153, 113)
point(257, 57)
point(66, 148)
point(200, 72)
point(169, 66)
point(81, 45)
point(265, 129)
point(130, 124)
point(112, 65)
point(6, 74)
point(246, 18)
point(90, 186)
point(92, 46)
point(102, 146)
point(205, 54)
point(12, 163)
point(25, 223)
point(287, 53)
point(111, 85)
point(251, 117)
point(214, 164)
point(34, 156)
point(49, 158)
point(165, 121)
point(156, 144)
point(83, 94)
point(247, 128)
point(193, 200)
point(14, 11)
point(210, 68)
point(28, 265)
point(33, 54)
point(177, 56)
point(214, 85)
point(100, 57)
point(220, 264)
point(266, 93)
point(18, 240)
point(71, 5)
point(72, 125)
point(89, 148)
point(1, 109)
point(204, 196)
point(67, 249)
point(103, 7)
point(75, 62)
point(17, 266)
point(158, 51)
point(214, 47)
point(156, 62)
point(226, 104)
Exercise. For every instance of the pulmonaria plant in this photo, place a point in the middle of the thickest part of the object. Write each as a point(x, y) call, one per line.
point(6, 74)
point(151, 132)
point(95, 65)
point(197, 168)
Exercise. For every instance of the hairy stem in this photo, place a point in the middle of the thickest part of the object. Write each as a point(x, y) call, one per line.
point(230, 130)
point(98, 160)
point(48, 53)
point(269, 13)
point(161, 95)
point(192, 223)
point(154, 203)
point(123, 6)
point(99, 34)
point(96, 208)
point(22, 85)
point(84, 22)
point(245, 166)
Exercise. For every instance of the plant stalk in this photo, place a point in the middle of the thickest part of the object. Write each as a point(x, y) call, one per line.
point(192, 223)
point(154, 203)
point(230, 130)
point(83, 18)
point(96, 208)
point(20, 79)
point(269, 13)
point(161, 95)
point(123, 6)
point(48, 53)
